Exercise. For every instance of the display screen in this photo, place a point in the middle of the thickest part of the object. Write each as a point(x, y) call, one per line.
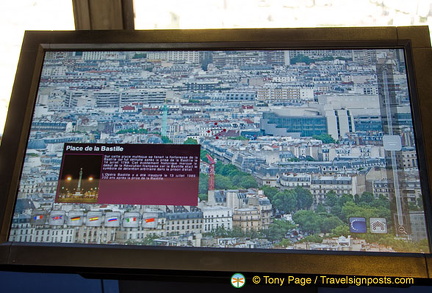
point(256, 149)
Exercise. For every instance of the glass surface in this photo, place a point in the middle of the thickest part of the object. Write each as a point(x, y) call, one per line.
point(304, 150)
point(15, 18)
point(194, 14)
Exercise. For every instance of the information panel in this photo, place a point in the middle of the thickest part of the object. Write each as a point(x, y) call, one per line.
point(143, 174)
point(265, 149)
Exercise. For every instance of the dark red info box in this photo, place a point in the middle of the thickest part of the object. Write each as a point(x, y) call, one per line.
point(144, 174)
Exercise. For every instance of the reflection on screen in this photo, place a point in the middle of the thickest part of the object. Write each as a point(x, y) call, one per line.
point(269, 149)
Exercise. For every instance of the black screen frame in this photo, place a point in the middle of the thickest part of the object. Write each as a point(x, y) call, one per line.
point(117, 259)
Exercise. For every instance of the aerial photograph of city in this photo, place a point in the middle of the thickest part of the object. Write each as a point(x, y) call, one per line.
point(293, 150)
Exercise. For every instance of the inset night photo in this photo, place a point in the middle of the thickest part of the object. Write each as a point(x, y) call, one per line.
point(79, 179)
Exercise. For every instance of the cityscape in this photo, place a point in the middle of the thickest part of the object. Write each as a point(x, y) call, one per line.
point(300, 149)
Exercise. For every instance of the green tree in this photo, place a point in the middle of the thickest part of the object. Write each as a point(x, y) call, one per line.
point(269, 191)
point(203, 155)
point(329, 223)
point(220, 232)
point(166, 139)
point(203, 196)
point(238, 138)
point(308, 221)
point(381, 202)
point(223, 232)
point(366, 198)
point(301, 59)
point(237, 180)
point(134, 131)
point(350, 209)
point(285, 201)
point(324, 137)
point(190, 140)
point(304, 198)
point(331, 199)
point(277, 230)
point(344, 199)
point(341, 230)
point(336, 203)
point(320, 208)
point(139, 56)
point(232, 177)
point(203, 183)
point(336, 210)
point(222, 182)
point(227, 169)
point(312, 238)
point(248, 182)
point(284, 243)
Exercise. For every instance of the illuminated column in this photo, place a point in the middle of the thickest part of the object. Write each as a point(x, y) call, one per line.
point(79, 180)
